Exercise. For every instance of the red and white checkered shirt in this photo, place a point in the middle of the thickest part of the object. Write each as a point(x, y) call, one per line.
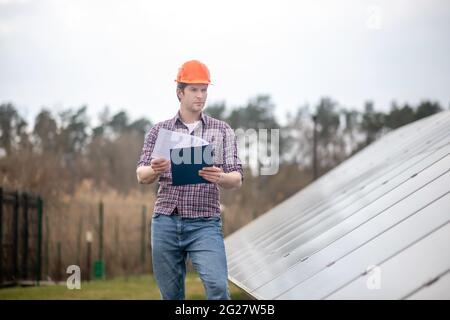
point(194, 200)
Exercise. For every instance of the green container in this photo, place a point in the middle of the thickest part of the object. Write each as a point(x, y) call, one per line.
point(99, 269)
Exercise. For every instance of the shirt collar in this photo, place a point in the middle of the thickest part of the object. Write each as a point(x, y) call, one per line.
point(203, 117)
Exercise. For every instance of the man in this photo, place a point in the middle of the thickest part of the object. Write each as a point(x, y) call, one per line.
point(186, 221)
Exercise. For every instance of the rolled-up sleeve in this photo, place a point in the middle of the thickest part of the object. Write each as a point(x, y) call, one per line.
point(147, 149)
point(232, 161)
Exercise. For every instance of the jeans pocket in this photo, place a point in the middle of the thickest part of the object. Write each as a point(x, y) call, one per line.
point(156, 216)
point(215, 222)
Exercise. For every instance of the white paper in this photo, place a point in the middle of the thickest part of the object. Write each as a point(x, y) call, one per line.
point(167, 140)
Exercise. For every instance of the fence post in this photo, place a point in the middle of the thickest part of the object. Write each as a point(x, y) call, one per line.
point(116, 240)
point(79, 236)
point(16, 237)
point(100, 231)
point(100, 264)
point(39, 241)
point(25, 238)
point(143, 231)
point(47, 247)
point(1, 236)
point(88, 254)
point(58, 261)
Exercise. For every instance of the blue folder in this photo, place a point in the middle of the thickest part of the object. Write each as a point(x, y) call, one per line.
point(186, 162)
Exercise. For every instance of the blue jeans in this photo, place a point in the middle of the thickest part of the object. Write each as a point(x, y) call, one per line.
point(173, 240)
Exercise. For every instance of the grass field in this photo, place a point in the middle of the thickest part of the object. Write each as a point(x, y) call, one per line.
point(131, 288)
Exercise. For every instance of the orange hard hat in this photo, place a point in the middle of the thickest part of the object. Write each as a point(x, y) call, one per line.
point(193, 71)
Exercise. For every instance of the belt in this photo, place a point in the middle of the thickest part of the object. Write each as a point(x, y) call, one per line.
point(175, 211)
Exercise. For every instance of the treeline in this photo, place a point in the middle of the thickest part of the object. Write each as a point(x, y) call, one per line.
point(61, 150)
point(340, 131)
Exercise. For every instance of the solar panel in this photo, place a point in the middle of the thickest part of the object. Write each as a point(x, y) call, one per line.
point(387, 206)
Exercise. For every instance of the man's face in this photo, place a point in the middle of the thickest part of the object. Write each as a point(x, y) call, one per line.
point(194, 97)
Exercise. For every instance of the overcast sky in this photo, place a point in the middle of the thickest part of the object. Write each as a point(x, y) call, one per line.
point(125, 54)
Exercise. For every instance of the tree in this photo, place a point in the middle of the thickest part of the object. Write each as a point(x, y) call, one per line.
point(372, 122)
point(350, 131)
point(257, 114)
point(327, 119)
point(140, 126)
point(12, 127)
point(46, 131)
point(217, 110)
point(119, 123)
point(73, 135)
point(330, 142)
point(398, 117)
point(427, 108)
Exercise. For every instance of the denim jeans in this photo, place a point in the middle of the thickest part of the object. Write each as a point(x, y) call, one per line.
point(175, 239)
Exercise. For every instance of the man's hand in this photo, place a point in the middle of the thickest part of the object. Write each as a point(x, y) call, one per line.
point(160, 165)
point(212, 174)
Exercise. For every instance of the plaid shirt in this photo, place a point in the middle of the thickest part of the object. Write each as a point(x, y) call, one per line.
point(194, 200)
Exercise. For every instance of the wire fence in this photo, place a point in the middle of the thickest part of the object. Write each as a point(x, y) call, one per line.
point(104, 238)
point(20, 237)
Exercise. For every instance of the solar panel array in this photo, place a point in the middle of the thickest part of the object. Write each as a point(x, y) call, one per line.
point(375, 227)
